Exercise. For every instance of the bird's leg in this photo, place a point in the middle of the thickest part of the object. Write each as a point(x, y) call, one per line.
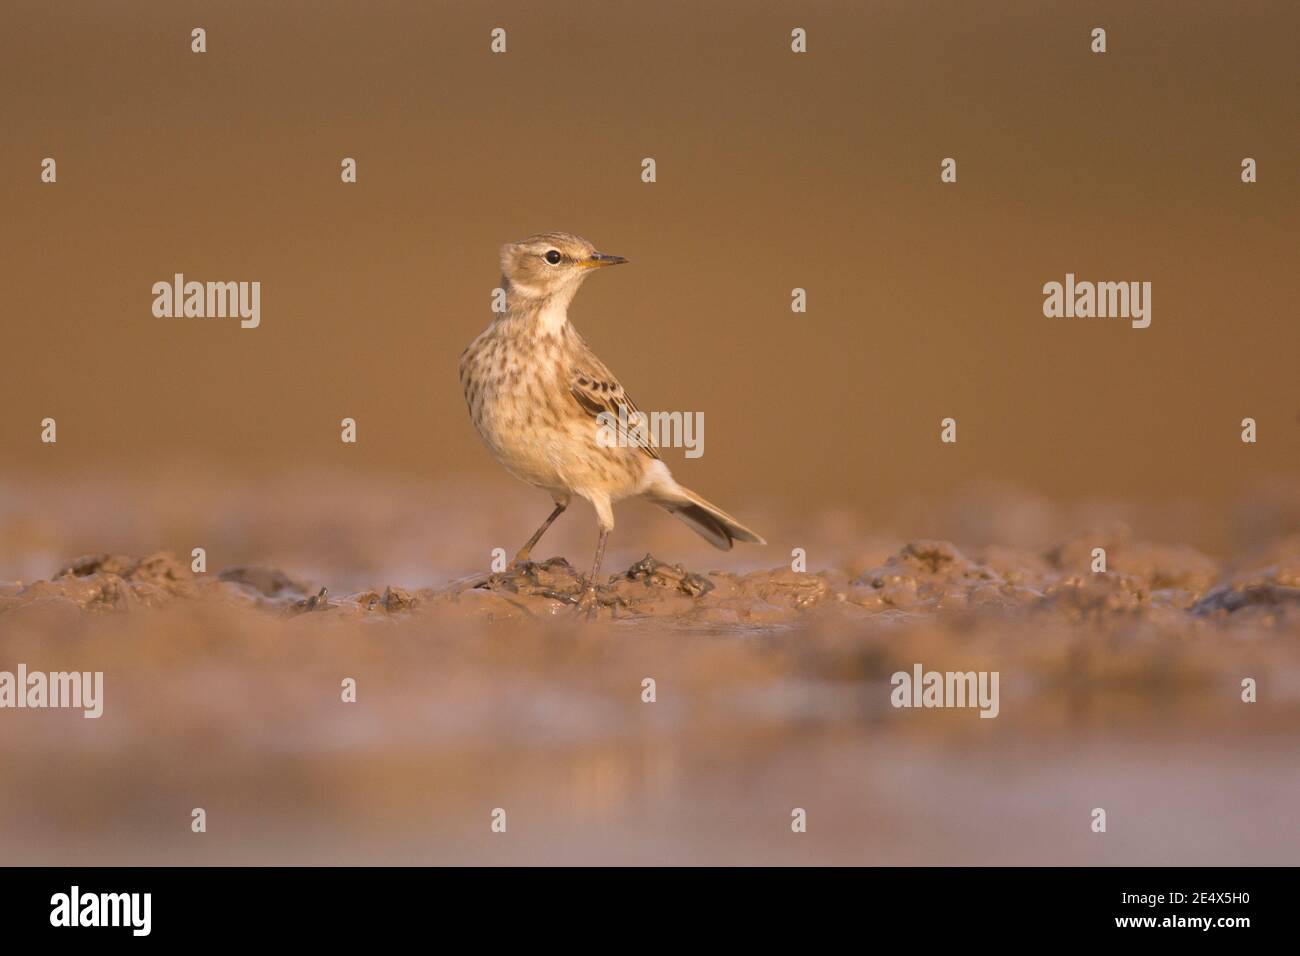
point(522, 556)
point(589, 602)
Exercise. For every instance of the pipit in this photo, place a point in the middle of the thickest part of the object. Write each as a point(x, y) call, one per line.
point(540, 399)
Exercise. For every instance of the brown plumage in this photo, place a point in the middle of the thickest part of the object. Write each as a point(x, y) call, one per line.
point(535, 391)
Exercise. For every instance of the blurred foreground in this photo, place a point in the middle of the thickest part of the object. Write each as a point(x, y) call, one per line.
point(477, 691)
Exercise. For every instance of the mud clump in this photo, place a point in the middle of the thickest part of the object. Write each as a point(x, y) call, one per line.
point(268, 582)
point(317, 602)
point(673, 576)
point(926, 575)
point(1072, 582)
point(392, 600)
point(648, 590)
point(547, 587)
point(114, 582)
point(1230, 599)
point(1069, 584)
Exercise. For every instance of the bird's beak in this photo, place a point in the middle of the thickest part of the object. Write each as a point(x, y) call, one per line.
point(599, 259)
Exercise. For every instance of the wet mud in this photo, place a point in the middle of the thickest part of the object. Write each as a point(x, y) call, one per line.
point(681, 722)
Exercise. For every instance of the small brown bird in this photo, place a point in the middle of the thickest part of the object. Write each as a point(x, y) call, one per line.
point(540, 398)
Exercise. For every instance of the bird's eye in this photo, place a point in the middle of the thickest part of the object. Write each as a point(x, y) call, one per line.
point(554, 257)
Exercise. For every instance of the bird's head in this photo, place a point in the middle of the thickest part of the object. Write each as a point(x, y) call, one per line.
point(551, 263)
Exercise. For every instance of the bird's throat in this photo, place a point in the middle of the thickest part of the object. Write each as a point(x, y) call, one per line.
point(547, 315)
point(553, 315)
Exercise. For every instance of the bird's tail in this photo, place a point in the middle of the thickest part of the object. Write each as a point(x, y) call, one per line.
point(708, 520)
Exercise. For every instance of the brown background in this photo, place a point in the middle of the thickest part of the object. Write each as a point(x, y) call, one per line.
point(775, 171)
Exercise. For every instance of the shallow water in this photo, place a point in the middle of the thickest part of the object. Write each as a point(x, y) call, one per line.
point(772, 692)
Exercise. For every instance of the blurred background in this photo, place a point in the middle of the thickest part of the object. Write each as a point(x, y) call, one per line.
point(775, 171)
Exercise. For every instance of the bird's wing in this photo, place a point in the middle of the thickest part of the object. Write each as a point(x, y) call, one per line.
point(594, 387)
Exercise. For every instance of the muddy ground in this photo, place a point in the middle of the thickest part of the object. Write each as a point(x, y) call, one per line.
point(482, 690)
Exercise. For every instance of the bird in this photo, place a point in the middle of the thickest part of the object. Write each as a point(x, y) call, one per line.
point(539, 396)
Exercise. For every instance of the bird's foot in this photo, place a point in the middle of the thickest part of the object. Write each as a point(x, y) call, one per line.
point(522, 566)
point(589, 604)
